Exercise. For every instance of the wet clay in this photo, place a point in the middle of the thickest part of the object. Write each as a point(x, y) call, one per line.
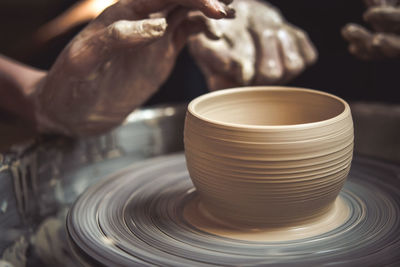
point(197, 215)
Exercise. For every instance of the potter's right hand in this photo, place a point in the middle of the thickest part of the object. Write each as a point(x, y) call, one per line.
point(258, 47)
point(117, 62)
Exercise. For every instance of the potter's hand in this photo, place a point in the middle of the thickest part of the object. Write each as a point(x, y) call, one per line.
point(117, 62)
point(258, 47)
point(384, 17)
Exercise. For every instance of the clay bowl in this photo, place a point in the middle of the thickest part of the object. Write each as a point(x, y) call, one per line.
point(268, 155)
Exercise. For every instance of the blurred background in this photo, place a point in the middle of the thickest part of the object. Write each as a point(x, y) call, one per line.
point(26, 36)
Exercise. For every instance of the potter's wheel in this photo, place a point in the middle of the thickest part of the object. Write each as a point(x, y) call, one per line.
point(137, 217)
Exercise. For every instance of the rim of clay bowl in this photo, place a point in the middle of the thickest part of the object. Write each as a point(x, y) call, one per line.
point(197, 100)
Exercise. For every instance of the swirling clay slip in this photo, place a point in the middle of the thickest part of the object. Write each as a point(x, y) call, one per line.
point(137, 218)
point(268, 158)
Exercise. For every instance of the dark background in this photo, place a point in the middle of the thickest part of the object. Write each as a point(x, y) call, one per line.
point(336, 71)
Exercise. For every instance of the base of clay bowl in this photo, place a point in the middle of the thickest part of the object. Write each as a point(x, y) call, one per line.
point(198, 216)
point(268, 156)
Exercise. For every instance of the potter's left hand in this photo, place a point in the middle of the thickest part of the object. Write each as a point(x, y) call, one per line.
point(258, 47)
point(117, 62)
point(384, 17)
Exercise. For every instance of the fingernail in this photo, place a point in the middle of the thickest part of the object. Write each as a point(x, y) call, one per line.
point(223, 12)
point(221, 8)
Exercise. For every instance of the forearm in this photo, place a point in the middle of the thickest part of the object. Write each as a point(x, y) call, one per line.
point(17, 83)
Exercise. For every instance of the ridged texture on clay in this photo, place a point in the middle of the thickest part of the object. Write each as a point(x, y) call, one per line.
point(268, 155)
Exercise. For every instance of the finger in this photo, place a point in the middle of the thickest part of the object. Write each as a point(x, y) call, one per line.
point(216, 63)
point(176, 16)
point(379, 46)
point(307, 49)
point(128, 33)
point(384, 18)
point(215, 56)
point(218, 71)
point(356, 34)
point(290, 54)
point(268, 61)
point(113, 13)
point(181, 16)
point(213, 31)
point(215, 77)
point(183, 23)
point(386, 45)
point(88, 51)
point(367, 46)
point(359, 38)
point(211, 8)
point(361, 52)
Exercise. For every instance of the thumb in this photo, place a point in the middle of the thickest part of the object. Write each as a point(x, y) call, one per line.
point(140, 32)
point(384, 18)
point(86, 52)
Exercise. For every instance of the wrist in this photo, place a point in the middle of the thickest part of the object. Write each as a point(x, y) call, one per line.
point(43, 122)
point(17, 83)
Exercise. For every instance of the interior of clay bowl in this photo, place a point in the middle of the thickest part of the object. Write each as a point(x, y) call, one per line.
point(275, 106)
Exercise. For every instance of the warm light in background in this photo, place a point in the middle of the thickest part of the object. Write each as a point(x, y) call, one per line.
point(99, 5)
point(81, 12)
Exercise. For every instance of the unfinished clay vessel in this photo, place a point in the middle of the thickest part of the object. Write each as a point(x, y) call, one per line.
point(268, 155)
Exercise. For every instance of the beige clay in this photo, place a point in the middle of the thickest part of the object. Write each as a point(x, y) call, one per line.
point(268, 158)
point(198, 216)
